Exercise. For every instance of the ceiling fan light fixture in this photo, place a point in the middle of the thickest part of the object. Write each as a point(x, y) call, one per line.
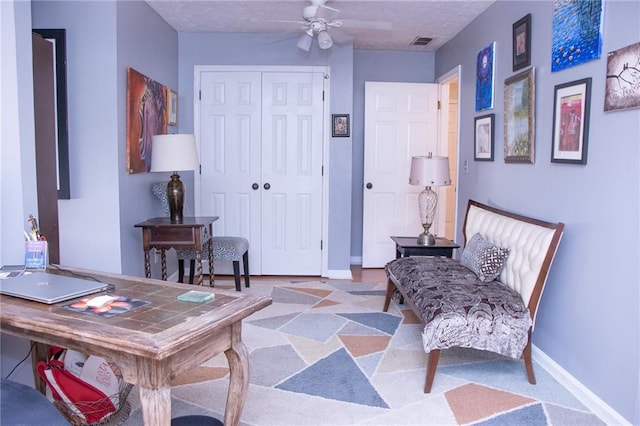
point(305, 40)
point(324, 40)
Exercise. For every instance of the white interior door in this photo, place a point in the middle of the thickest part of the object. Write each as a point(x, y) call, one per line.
point(260, 130)
point(230, 155)
point(400, 122)
point(292, 135)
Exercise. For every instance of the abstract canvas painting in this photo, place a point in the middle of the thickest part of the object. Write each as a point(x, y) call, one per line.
point(577, 32)
point(622, 89)
point(484, 78)
point(146, 117)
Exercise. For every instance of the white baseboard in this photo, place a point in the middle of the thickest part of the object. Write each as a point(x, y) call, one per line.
point(339, 274)
point(580, 391)
point(356, 260)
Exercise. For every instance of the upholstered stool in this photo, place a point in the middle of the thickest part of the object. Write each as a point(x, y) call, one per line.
point(233, 249)
point(224, 248)
point(23, 405)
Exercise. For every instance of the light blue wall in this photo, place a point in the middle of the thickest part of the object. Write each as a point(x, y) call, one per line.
point(589, 319)
point(259, 49)
point(377, 65)
point(103, 39)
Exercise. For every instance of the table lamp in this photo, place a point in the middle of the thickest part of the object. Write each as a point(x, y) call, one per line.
point(428, 171)
point(173, 153)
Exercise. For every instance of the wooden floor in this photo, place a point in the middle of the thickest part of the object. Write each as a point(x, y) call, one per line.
point(358, 274)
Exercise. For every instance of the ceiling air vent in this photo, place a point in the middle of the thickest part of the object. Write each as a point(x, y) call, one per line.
point(421, 41)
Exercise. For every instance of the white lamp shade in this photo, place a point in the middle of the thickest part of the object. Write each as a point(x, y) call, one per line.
point(324, 40)
point(172, 153)
point(430, 171)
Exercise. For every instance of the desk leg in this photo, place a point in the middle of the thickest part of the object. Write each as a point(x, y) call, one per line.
point(156, 406)
point(155, 393)
point(238, 358)
point(147, 264)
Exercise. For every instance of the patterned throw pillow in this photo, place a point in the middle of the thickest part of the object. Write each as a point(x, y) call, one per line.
point(483, 258)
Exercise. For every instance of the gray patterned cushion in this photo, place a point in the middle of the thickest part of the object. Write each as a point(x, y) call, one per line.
point(224, 248)
point(458, 310)
point(483, 258)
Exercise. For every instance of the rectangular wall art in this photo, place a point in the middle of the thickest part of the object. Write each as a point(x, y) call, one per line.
point(147, 102)
point(484, 78)
point(519, 117)
point(622, 89)
point(576, 32)
point(571, 122)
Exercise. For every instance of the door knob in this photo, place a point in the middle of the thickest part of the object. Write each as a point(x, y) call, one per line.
point(369, 186)
point(267, 186)
point(255, 186)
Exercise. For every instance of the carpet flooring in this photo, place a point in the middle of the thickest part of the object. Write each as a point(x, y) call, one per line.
point(324, 353)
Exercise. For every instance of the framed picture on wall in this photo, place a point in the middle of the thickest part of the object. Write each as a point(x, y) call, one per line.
point(340, 125)
point(172, 107)
point(483, 138)
point(522, 43)
point(571, 122)
point(519, 117)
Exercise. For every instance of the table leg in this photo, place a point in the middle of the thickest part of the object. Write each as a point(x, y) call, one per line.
point(212, 280)
point(198, 267)
point(155, 392)
point(147, 264)
point(163, 258)
point(156, 406)
point(238, 358)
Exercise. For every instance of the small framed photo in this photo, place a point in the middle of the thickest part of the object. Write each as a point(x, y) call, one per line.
point(340, 125)
point(522, 43)
point(172, 107)
point(483, 137)
point(571, 122)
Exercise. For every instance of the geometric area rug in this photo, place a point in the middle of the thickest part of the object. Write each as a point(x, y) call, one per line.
point(324, 353)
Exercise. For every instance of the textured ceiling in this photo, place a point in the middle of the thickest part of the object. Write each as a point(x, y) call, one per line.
point(439, 20)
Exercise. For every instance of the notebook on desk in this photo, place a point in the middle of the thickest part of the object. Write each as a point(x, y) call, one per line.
point(49, 288)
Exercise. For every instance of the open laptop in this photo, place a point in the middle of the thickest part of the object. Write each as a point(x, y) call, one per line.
point(49, 288)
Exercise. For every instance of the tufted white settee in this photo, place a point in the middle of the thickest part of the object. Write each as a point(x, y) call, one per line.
point(487, 299)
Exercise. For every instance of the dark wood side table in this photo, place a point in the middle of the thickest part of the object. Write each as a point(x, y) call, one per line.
point(193, 232)
point(408, 246)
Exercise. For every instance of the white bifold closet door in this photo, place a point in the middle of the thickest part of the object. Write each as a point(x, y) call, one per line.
point(261, 145)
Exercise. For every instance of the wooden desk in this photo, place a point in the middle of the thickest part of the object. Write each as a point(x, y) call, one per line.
point(192, 233)
point(150, 344)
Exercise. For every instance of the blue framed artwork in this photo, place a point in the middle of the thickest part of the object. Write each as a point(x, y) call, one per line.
point(577, 32)
point(484, 77)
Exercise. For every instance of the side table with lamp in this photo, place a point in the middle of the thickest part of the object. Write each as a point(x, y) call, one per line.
point(173, 153)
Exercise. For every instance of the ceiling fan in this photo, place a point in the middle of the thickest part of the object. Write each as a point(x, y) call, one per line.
point(319, 22)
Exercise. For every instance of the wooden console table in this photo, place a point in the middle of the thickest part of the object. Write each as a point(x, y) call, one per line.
point(193, 232)
point(150, 344)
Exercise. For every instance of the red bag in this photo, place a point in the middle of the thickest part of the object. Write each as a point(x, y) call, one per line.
point(84, 399)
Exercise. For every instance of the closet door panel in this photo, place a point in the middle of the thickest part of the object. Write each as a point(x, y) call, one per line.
point(230, 152)
point(292, 168)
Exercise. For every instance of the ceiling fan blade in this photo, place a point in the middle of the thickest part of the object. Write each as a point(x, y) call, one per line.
point(289, 23)
point(326, 13)
point(371, 25)
point(339, 36)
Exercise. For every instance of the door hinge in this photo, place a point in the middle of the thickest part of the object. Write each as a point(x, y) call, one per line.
point(322, 171)
point(323, 96)
point(200, 168)
point(199, 95)
point(439, 105)
point(320, 244)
